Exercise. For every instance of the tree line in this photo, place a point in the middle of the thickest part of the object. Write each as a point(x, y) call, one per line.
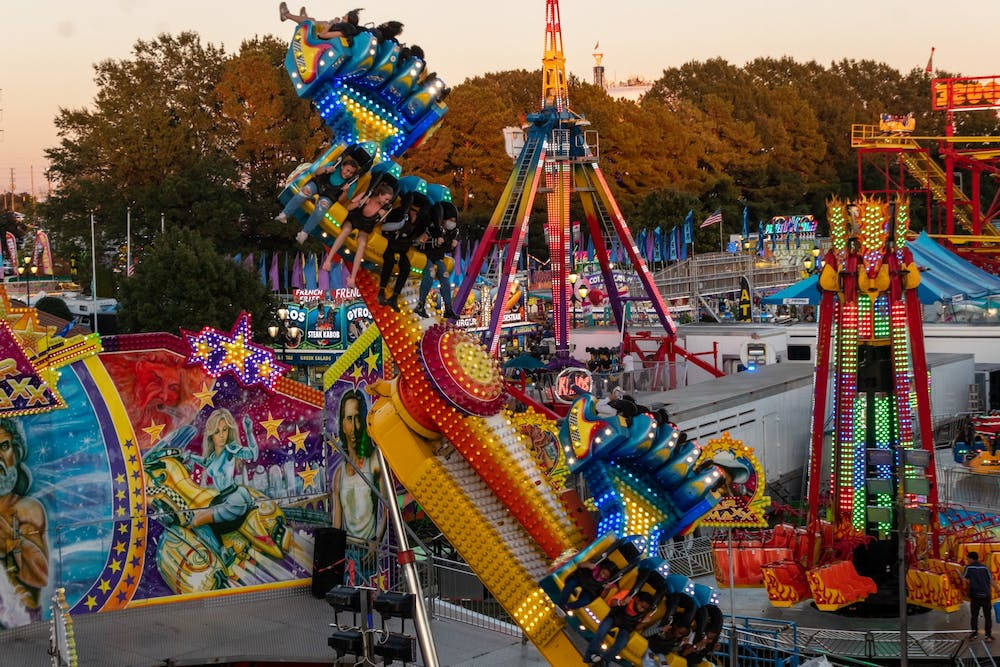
point(183, 129)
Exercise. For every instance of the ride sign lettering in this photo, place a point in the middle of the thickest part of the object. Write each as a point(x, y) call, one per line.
point(568, 380)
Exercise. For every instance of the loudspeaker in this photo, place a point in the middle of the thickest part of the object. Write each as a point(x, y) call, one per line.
point(875, 369)
point(328, 560)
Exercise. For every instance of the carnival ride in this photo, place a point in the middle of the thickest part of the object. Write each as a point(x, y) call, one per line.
point(559, 157)
point(977, 449)
point(441, 422)
point(882, 505)
point(966, 225)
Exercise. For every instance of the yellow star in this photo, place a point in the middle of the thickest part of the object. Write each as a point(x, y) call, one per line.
point(30, 336)
point(202, 350)
point(120, 494)
point(299, 439)
point(115, 565)
point(308, 477)
point(119, 478)
point(372, 361)
point(265, 370)
point(119, 548)
point(271, 426)
point(205, 396)
point(104, 586)
point(91, 602)
point(356, 373)
point(236, 354)
point(153, 431)
point(123, 528)
point(121, 511)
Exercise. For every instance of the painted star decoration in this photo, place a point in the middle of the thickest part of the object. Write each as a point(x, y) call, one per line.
point(234, 353)
point(206, 395)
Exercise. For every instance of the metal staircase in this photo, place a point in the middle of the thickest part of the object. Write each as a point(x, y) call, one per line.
point(978, 653)
point(922, 167)
point(524, 167)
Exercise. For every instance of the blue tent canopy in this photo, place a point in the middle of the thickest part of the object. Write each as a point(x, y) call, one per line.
point(794, 294)
point(943, 277)
point(947, 274)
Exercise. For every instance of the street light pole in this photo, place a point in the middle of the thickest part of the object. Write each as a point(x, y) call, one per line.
point(27, 271)
point(128, 241)
point(93, 269)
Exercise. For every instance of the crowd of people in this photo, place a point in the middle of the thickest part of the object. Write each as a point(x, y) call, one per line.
point(685, 628)
point(400, 209)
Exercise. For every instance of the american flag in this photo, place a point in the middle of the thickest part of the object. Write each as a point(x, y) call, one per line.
point(712, 219)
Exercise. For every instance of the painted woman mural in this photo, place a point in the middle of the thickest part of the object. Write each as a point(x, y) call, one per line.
point(222, 457)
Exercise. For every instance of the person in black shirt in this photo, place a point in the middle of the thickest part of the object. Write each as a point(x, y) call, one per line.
point(338, 186)
point(365, 211)
point(675, 625)
point(980, 594)
point(592, 580)
point(706, 643)
point(343, 26)
point(625, 617)
point(346, 26)
point(442, 240)
point(403, 226)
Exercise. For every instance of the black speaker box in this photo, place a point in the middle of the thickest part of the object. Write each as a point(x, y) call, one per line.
point(328, 560)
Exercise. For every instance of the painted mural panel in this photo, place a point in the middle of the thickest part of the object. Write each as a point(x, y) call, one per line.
point(156, 479)
point(354, 504)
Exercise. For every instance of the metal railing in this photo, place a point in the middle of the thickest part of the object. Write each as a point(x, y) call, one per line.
point(462, 597)
point(971, 491)
point(690, 557)
point(880, 644)
point(719, 273)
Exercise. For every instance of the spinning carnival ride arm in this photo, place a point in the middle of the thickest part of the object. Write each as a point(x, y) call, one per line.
point(440, 423)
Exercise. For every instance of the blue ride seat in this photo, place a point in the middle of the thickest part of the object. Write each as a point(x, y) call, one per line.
point(383, 67)
point(404, 81)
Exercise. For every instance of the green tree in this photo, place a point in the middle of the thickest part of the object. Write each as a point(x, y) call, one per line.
point(183, 282)
point(54, 306)
point(183, 129)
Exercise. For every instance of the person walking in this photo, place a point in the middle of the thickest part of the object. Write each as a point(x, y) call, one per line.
point(980, 588)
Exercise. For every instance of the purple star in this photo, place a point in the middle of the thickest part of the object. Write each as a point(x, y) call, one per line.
point(135, 561)
point(138, 543)
point(135, 474)
point(121, 596)
point(129, 580)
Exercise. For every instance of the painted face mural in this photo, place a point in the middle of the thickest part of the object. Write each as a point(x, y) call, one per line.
point(24, 548)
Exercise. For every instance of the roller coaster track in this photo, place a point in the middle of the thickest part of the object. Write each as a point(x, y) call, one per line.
point(924, 168)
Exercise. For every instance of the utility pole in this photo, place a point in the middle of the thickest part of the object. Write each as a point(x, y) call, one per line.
point(128, 240)
point(31, 171)
point(12, 207)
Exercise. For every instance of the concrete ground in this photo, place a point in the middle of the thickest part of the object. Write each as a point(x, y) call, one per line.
point(289, 628)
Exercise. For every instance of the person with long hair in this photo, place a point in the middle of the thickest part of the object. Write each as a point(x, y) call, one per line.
point(355, 504)
point(222, 459)
point(402, 228)
point(365, 211)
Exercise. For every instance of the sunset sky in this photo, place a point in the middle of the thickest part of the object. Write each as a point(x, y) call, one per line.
point(48, 46)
